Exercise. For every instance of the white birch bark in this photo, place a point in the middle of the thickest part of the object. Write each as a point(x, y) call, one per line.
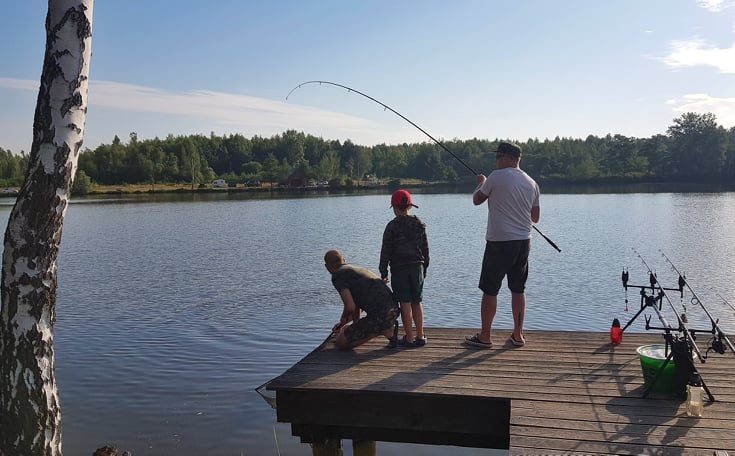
point(30, 413)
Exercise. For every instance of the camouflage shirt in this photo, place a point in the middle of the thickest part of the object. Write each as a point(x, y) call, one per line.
point(368, 291)
point(404, 244)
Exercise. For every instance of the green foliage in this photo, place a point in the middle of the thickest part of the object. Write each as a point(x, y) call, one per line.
point(82, 183)
point(695, 147)
point(252, 168)
point(12, 168)
point(698, 146)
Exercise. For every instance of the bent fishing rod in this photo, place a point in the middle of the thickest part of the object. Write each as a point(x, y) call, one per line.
point(439, 143)
point(721, 336)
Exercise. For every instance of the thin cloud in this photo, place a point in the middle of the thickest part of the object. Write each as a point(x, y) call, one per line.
point(716, 5)
point(18, 84)
point(226, 111)
point(723, 108)
point(698, 53)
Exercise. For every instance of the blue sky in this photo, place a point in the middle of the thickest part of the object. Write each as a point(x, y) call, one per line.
point(463, 69)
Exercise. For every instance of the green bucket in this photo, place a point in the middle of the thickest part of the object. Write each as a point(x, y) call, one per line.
point(652, 357)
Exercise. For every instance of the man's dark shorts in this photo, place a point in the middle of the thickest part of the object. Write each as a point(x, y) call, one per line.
point(372, 325)
point(408, 283)
point(505, 258)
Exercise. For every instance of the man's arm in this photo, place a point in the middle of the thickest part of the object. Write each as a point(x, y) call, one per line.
point(478, 197)
point(348, 311)
point(535, 214)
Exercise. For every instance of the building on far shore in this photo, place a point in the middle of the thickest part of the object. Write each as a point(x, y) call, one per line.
point(298, 178)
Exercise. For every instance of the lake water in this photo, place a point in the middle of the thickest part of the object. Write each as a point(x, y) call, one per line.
point(171, 311)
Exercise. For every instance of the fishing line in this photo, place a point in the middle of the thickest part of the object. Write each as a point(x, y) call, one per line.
point(271, 400)
point(725, 301)
point(350, 89)
point(439, 143)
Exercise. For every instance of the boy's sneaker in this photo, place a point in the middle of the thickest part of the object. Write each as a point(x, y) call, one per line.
point(420, 341)
point(403, 342)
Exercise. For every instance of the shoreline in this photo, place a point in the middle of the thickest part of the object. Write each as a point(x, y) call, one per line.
point(547, 186)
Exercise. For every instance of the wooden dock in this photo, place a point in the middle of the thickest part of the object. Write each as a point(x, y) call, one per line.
point(563, 393)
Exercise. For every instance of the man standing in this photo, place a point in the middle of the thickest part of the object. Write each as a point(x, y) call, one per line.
point(513, 206)
point(360, 290)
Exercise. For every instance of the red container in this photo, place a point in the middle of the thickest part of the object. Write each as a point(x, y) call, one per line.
point(616, 332)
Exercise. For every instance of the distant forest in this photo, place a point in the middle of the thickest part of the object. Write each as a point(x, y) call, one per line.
point(695, 148)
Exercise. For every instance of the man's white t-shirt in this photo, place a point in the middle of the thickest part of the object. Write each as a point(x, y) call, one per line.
point(511, 193)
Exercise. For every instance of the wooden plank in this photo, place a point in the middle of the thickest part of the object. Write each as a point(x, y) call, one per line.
point(375, 413)
point(590, 375)
point(308, 433)
point(572, 392)
point(460, 353)
point(658, 441)
point(569, 392)
point(327, 448)
point(647, 415)
point(724, 436)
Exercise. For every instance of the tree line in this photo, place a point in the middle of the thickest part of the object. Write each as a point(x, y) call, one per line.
point(12, 168)
point(694, 148)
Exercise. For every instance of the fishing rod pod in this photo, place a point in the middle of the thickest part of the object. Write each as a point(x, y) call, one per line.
point(682, 347)
point(439, 143)
point(662, 291)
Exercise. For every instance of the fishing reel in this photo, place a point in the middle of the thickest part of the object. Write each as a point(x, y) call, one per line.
point(717, 345)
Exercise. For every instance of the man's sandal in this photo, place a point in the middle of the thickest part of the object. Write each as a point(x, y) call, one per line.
point(517, 343)
point(475, 341)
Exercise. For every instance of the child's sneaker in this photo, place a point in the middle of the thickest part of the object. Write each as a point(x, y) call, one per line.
point(402, 342)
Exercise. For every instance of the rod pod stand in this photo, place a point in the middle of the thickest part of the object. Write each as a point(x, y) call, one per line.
point(648, 300)
point(679, 349)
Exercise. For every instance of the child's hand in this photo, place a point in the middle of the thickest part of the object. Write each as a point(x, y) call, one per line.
point(385, 280)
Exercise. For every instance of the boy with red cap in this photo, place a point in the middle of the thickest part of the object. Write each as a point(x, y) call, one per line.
point(406, 250)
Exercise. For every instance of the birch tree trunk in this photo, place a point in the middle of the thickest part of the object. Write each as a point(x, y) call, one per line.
point(30, 414)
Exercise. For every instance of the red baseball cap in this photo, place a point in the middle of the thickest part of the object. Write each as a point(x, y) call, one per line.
point(401, 199)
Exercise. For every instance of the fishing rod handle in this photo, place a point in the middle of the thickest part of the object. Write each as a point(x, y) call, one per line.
point(547, 239)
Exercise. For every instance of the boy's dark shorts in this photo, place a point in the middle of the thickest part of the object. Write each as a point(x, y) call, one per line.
point(501, 258)
point(408, 283)
point(371, 325)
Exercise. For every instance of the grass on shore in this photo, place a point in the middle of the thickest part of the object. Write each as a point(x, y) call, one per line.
point(172, 187)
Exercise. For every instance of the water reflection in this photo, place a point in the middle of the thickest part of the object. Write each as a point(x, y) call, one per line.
point(173, 308)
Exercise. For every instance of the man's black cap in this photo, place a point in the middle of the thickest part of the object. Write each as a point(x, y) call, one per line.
point(509, 149)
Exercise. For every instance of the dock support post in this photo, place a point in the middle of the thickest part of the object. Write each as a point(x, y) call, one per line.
point(328, 447)
point(364, 448)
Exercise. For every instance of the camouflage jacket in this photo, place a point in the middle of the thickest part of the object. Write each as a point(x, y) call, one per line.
point(404, 244)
